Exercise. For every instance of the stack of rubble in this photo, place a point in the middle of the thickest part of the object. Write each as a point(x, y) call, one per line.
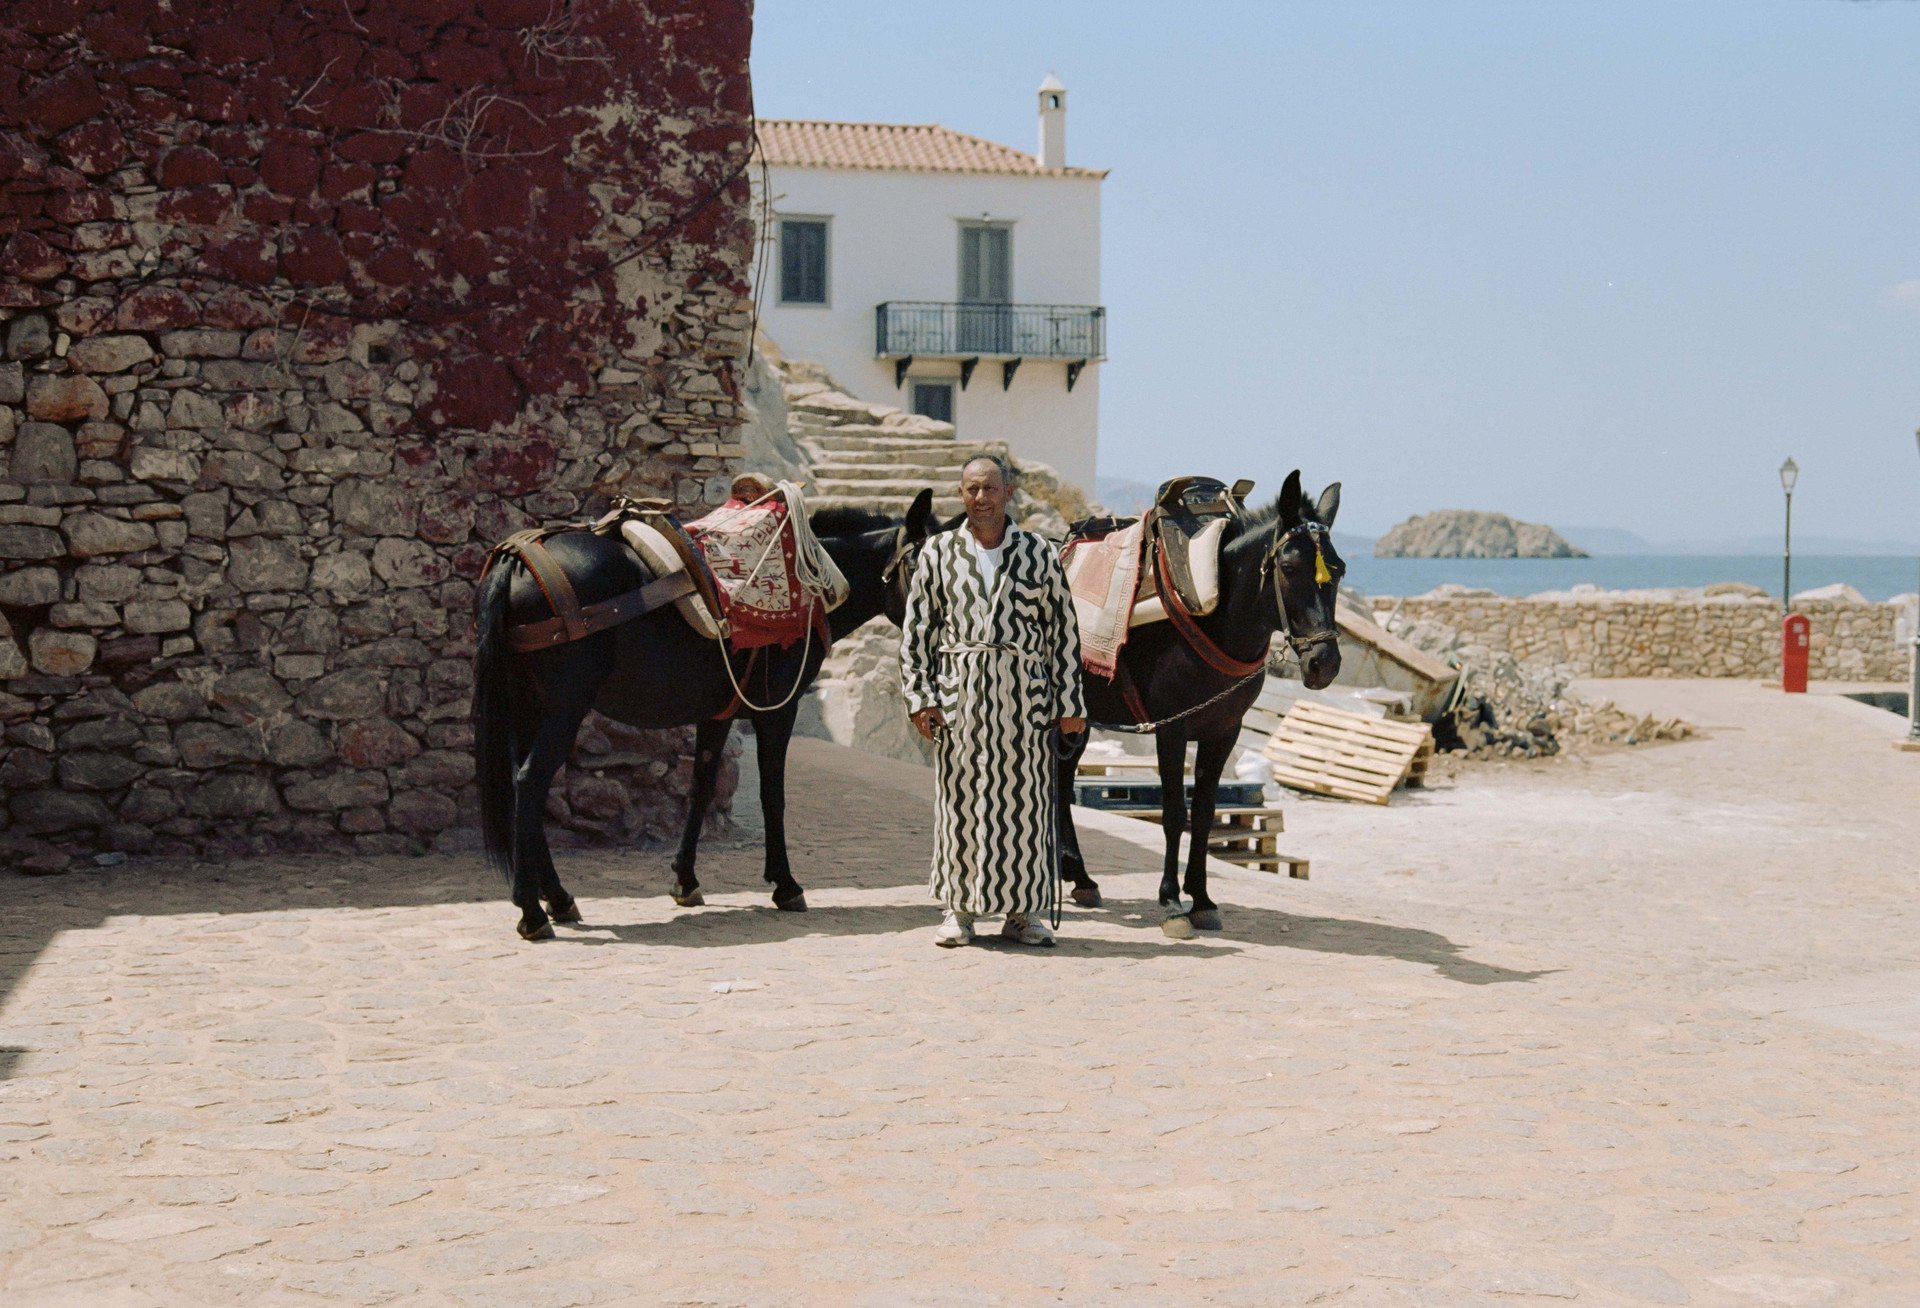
point(1511, 709)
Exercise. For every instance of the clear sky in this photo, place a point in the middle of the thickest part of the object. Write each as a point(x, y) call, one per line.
point(1601, 264)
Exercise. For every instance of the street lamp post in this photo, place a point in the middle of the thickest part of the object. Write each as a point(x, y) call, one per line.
point(1789, 473)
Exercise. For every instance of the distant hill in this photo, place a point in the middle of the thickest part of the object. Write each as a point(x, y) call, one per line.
point(1803, 543)
point(1122, 497)
point(1610, 540)
point(1617, 540)
point(1472, 534)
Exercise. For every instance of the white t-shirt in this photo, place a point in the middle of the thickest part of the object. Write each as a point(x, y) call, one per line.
point(988, 559)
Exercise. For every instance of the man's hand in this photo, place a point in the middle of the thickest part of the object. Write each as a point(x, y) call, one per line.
point(928, 721)
point(1072, 726)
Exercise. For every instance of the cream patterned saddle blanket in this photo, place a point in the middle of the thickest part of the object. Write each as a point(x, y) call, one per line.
point(774, 579)
point(1114, 590)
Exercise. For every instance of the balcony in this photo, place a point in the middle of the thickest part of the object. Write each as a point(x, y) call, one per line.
point(905, 330)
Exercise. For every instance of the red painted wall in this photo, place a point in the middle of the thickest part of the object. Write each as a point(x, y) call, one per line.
point(430, 162)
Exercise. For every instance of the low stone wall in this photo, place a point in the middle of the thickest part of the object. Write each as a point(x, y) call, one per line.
point(1733, 635)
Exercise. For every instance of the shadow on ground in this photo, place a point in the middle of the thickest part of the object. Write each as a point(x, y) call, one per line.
point(44, 907)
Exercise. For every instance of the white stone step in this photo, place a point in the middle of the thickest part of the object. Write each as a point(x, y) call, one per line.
point(867, 456)
point(933, 476)
point(893, 504)
point(902, 487)
point(894, 445)
point(832, 406)
point(913, 431)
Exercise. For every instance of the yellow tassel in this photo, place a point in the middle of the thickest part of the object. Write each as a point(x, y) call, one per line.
point(1320, 574)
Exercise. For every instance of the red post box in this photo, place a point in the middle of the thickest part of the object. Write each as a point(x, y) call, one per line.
point(1793, 653)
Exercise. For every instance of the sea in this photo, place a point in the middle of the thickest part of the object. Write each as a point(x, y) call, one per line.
point(1876, 576)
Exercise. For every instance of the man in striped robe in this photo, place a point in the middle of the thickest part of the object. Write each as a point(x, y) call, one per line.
point(990, 659)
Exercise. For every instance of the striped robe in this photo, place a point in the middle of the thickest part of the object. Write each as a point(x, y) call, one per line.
point(1002, 665)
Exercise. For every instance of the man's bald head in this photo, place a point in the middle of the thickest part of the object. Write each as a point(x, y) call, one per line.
point(984, 461)
point(984, 492)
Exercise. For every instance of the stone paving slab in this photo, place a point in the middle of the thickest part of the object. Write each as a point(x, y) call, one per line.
point(1495, 1052)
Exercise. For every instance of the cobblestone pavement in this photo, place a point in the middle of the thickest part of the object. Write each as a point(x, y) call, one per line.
point(1637, 1030)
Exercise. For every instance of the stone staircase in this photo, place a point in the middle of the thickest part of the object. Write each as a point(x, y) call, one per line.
point(851, 453)
point(871, 456)
point(859, 455)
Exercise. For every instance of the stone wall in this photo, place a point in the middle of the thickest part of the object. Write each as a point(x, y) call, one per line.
point(1707, 635)
point(303, 306)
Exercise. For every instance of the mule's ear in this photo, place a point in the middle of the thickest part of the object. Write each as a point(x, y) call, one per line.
point(1290, 500)
point(1328, 506)
point(919, 513)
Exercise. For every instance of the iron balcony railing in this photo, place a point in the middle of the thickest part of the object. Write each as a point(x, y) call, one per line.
point(929, 329)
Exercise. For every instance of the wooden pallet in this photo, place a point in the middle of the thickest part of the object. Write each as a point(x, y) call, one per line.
point(1116, 767)
point(1348, 755)
point(1242, 835)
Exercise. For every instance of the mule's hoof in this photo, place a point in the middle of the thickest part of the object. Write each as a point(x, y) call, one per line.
point(798, 904)
point(693, 900)
point(1087, 896)
point(566, 912)
point(1205, 919)
point(542, 932)
point(1178, 928)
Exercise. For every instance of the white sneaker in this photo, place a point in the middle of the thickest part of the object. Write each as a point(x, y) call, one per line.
point(956, 928)
point(1026, 931)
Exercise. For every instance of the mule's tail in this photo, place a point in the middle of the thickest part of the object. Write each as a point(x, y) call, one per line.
point(493, 715)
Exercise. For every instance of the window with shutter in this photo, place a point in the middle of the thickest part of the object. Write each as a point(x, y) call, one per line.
point(803, 261)
point(983, 321)
point(986, 263)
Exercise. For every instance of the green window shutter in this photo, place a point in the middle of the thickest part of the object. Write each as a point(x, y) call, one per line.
point(803, 262)
point(999, 282)
point(972, 287)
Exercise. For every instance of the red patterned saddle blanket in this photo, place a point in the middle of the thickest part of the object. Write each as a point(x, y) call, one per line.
point(775, 580)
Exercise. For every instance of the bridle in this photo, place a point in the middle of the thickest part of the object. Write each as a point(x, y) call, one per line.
point(1270, 574)
point(903, 552)
point(906, 552)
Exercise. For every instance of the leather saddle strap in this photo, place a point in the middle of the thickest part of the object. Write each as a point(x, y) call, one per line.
point(551, 578)
point(1183, 622)
point(596, 618)
point(694, 555)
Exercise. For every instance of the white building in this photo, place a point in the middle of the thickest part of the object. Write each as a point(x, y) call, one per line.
point(950, 275)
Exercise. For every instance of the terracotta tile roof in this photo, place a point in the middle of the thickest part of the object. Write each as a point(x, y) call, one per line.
point(896, 147)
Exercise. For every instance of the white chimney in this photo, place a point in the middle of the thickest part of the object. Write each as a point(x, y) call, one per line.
point(1053, 123)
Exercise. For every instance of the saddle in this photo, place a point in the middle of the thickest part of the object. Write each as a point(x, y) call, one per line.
point(687, 581)
point(680, 563)
point(1187, 520)
point(650, 529)
point(775, 580)
point(1117, 566)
